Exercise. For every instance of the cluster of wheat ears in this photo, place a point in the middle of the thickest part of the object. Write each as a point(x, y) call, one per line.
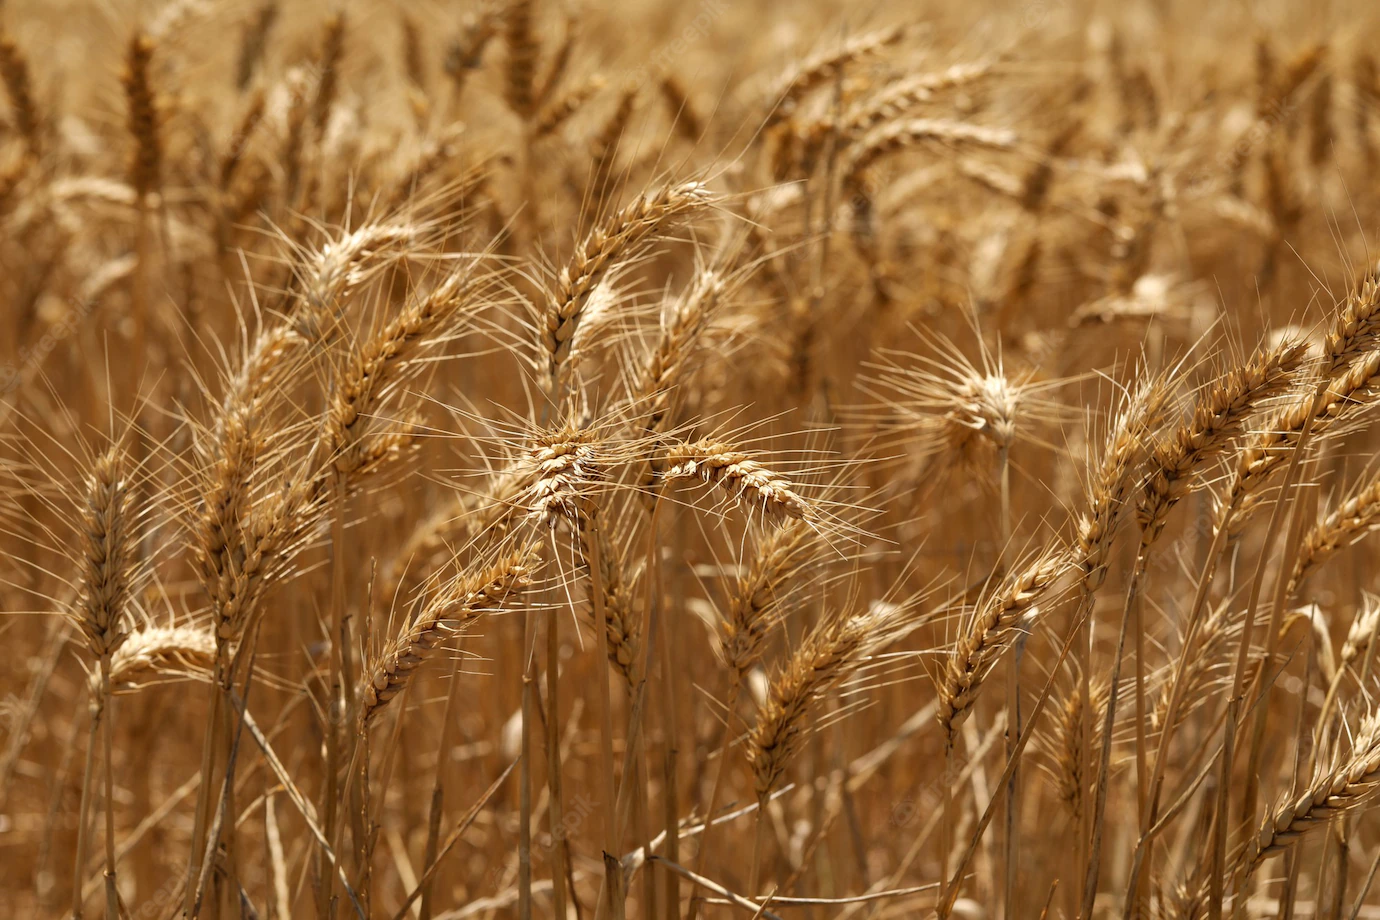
point(552, 458)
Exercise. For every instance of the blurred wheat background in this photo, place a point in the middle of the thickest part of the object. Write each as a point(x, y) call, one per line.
point(553, 458)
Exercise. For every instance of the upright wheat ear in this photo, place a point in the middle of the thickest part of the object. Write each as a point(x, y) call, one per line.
point(1067, 743)
point(253, 41)
point(758, 599)
point(377, 365)
point(1353, 389)
point(107, 541)
point(1116, 477)
point(146, 166)
point(667, 359)
point(521, 76)
point(618, 582)
point(328, 71)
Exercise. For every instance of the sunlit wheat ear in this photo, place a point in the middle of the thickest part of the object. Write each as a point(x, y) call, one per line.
point(1356, 329)
point(946, 406)
point(750, 485)
point(666, 362)
point(1342, 789)
point(1219, 416)
point(819, 69)
point(157, 654)
point(1348, 394)
point(616, 239)
point(1350, 522)
point(999, 621)
point(568, 467)
point(107, 541)
point(757, 602)
point(1358, 636)
point(619, 583)
point(1116, 476)
point(917, 132)
point(344, 263)
point(454, 607)
point(824, 661)
point(381, 363)
point(267, 535)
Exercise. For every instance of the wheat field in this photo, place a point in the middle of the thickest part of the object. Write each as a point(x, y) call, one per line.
point(588, 460)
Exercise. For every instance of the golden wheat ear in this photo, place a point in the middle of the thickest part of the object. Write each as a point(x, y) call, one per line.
point(752, 486)
point(1218, 418)
point(108, 541)
point(613, 241)
point(144, 119)
point(758, 596)
point(156, 654)
point(482, 590)
point(1352, 520)
point(827, 658)
point(1347, 787)
point(818, 70)
point(1000, 621)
